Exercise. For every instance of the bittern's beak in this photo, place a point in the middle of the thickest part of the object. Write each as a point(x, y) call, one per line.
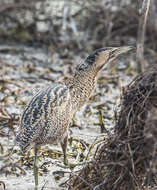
point(108, 54)
point(115, 52)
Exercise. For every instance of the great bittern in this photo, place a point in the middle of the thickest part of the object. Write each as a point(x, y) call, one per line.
point(47, 116)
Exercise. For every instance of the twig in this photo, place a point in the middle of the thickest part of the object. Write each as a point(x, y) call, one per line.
point(143, 12)
point(44, 185)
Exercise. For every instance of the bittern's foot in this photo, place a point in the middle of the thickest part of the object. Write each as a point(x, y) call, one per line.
point(36, 188)
point(65, 160)
point(66, 163)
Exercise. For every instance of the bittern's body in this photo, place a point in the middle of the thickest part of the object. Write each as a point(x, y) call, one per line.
point(46, 118)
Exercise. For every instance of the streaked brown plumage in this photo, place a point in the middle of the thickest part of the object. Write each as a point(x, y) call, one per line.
point(46, 118)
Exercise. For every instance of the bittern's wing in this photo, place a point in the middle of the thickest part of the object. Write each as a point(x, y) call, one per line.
point(45, 112)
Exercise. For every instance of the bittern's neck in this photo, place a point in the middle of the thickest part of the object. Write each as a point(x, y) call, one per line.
point(81, 86)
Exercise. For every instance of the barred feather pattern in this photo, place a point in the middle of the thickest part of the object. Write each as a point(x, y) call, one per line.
point(81, 87)
point(46, 118)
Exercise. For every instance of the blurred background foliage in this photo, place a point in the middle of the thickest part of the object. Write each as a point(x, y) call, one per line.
point(74, 23)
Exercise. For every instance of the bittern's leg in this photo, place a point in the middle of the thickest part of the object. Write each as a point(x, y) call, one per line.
point(64, 143)
point(36, 166)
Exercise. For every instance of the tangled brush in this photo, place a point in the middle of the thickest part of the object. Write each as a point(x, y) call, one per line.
point(128, 160)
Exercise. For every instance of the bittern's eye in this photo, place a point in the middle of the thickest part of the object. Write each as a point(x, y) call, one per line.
point(91, 58)
point(82, 67)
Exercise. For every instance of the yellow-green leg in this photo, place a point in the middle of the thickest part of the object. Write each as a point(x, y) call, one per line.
point(64, 143)
point(36, 168)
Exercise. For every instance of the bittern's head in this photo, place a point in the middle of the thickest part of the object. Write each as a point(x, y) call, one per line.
point(100, 57)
